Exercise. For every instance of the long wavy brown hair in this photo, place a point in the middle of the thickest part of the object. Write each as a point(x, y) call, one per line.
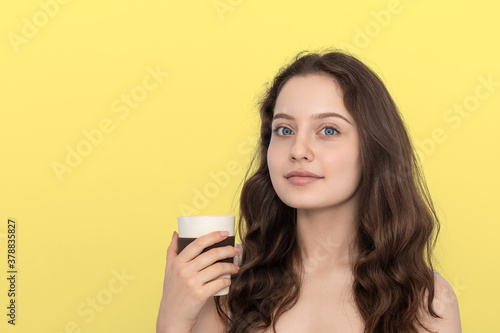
point(397, 225)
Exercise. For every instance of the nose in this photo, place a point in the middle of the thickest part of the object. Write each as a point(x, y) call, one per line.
point(301, 149)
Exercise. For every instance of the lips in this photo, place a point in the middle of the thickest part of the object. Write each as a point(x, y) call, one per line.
point(302, 177)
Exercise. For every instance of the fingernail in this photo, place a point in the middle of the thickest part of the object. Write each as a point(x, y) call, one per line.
point(224, 233)
point(236, 249)
point(173, 235)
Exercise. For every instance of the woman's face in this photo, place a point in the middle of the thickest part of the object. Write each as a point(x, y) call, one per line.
point(313, 156)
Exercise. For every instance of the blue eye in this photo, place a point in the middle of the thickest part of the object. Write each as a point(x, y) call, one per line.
point(283, 130)
point(328, 131)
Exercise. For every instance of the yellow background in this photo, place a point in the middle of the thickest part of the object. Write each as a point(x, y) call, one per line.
point(116, 211)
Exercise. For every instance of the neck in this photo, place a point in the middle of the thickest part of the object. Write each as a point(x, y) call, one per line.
point(326, 236)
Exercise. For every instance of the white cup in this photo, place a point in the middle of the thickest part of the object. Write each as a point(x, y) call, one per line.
point(192, 227)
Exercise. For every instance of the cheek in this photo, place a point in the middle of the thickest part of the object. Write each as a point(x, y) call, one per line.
point(275, 163)
point(345, 162)
point(272, 159)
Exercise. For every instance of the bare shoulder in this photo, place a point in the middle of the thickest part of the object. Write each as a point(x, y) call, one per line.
point(209, 320)
point(445, 303)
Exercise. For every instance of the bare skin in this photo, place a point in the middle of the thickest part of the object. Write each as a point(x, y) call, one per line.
point(326, 305)
point(190, 281)
point(313, 132)
point(317, 134)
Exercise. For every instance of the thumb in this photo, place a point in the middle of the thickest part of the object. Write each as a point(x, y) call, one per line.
point(173, 248)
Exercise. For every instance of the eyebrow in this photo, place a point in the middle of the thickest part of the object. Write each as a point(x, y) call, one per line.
point(315, 116)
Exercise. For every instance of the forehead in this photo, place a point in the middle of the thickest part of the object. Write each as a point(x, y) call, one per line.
point(303, 96)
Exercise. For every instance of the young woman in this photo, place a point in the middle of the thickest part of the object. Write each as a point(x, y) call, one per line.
point(337, 222)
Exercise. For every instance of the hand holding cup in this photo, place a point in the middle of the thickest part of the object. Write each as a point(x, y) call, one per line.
point(192, 276)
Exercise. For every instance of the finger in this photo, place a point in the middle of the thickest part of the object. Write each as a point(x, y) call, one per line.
point(196, 247)
point(217, 285)
point(208, 258)
point(214, 271)
point(172, 250)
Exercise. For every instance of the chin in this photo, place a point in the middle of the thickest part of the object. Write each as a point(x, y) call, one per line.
point(305, 203)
